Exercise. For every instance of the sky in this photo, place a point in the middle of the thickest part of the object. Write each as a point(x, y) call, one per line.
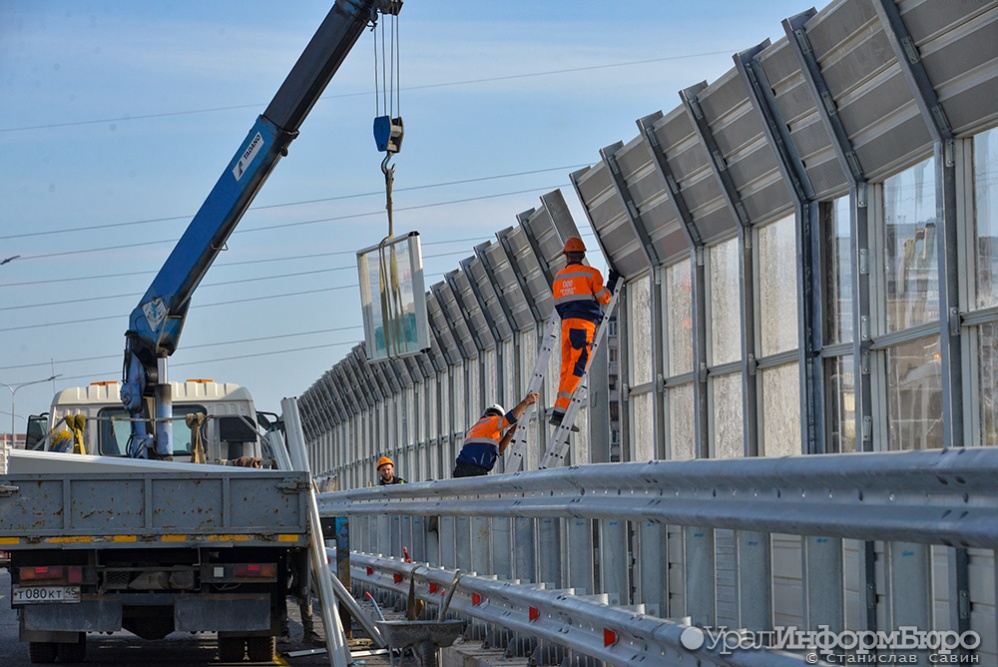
point(117, 117)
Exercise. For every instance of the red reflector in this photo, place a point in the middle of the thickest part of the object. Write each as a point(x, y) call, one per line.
point(609, 637)
point(476, 599)
point(397, 577)
point(370, 571)
point(76, 574)
point(534, 614)
point(255, 570)
point(41, 572)
point(433, 588)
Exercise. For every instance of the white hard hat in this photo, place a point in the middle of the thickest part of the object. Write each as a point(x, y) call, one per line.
point(496, 408)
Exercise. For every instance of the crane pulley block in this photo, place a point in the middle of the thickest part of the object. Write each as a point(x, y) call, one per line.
point(388, 134)
point(391, 7)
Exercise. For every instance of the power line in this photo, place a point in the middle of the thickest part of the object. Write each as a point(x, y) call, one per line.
point(220, 265)
point(186, 347)
point(297, 224)
point(147, 221)
point(134, 295)
point(202, 364)
point(429, 86)
point(254, 299)
point(406, 208)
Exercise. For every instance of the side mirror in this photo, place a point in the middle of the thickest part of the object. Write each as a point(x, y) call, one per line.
point(37, 430)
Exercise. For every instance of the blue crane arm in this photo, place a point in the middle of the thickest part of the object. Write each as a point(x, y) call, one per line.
point(156, 323)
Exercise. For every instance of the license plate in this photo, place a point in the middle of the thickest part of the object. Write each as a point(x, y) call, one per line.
point(34, 594)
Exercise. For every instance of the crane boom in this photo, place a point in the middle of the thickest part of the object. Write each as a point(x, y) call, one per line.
point(157, 321)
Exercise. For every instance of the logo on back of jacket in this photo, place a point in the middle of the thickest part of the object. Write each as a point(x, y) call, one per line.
point(567, 288)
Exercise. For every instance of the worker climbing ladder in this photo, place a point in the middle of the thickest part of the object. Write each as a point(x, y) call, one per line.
point(557, 448)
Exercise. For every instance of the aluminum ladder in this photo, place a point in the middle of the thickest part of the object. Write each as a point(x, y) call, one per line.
point(557, 448)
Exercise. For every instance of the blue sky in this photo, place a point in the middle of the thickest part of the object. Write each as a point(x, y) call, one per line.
point(116, 119)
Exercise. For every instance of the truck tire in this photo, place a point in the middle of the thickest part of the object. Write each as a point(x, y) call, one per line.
point(73, 653)
point(261, 649)
point(42, 653)
point(231, 649)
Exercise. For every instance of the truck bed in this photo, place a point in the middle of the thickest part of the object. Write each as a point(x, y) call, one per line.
point(171, 509)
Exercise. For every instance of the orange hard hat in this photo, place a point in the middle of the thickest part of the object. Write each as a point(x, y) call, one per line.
point(383, 461)
point(574, 244)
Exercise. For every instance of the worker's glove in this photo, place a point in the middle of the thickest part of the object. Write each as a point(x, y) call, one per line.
point(612, 279)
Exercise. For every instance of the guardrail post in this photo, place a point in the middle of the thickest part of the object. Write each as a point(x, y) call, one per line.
point(549, 551)
point(395, 537)
point(726, 578)
point(462, 544)
point(755, 580)
point(502, 547)
point(824, 595)
point(651, 580)
point(417, 539)
point(615, 565)
point(910, 586)
point(698, 566)
point(524, 551)
point(431, 533)
point(580, 572)
point(358, 533)
point(481, 545)
point(447, 555)
point(380, 537)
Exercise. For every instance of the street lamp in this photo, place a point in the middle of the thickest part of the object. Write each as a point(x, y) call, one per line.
point(13, 390)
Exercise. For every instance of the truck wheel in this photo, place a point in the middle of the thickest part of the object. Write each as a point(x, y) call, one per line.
point(231, 649)
point(42, 653)
point(261, 649)
point(73, 652)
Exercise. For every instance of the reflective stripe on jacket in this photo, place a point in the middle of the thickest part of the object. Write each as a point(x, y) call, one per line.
point(578, 292)
point(481, 444)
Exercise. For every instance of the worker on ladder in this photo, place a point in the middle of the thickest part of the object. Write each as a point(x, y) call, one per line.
point(579, 295)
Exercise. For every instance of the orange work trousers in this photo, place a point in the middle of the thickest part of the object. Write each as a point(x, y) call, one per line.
point(576, 345)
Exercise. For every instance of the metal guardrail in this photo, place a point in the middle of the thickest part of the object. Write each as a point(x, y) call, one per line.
point(579, 623)
point(945, 497)
point(940, 497)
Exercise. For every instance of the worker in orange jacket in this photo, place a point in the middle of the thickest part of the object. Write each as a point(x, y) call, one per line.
point(486, 441)
point(386, 472)
point(579, 295)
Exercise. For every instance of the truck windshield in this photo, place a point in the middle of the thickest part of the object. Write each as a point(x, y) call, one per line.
point(115, 429)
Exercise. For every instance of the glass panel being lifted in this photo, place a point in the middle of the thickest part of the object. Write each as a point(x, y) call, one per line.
point(393, 298)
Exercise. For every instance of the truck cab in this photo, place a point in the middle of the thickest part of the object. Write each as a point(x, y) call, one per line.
point(229, 431)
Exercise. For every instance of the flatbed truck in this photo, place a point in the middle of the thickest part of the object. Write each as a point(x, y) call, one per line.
point(152, 553)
